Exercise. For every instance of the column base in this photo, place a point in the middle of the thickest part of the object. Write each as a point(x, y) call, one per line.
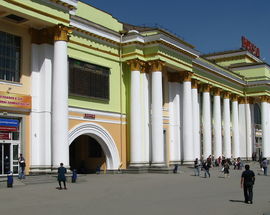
point(160, 169)
point(188, 162)
point(158, 164)
point(38, 170)
point(138, 164)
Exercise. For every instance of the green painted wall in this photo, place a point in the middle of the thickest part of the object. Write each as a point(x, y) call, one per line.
point(97, 16)
point(37, 10)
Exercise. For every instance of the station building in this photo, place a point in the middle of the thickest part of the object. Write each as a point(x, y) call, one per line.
point(78, 86)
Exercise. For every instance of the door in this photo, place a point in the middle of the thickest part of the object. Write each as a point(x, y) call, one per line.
point(5, 158)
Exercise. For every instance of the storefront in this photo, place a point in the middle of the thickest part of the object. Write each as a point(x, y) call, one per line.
point(14, 130)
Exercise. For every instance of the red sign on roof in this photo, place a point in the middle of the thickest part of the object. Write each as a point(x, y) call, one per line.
point(246, 44)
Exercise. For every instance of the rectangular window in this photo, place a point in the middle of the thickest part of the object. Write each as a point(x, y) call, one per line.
point(10, 54)
point(89, 80)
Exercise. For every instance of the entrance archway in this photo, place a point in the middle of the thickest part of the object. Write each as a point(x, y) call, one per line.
point(97, 136)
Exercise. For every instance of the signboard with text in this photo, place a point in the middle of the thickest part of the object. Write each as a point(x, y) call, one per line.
point(15, 100)
point(246, 44)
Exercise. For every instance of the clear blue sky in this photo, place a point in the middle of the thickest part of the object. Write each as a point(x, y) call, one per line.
point(209, 25)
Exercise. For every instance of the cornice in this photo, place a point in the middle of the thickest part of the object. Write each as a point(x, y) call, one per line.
point(37, 11)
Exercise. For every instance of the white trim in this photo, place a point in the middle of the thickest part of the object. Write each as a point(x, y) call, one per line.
point(86, 26)
point(96, 112)
point(217, 70)
point(97, 120)
point(251, 67)
point(233, 55)
point(103, 137)
point(10, 83)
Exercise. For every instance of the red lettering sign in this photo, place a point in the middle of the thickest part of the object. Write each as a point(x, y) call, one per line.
point(89, 116)
point(246, 44)
point(4, 136)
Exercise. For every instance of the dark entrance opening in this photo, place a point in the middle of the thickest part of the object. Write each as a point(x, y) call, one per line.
point(86, 155)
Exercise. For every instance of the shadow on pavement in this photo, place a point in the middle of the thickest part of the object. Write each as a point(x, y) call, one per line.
point(237, 201)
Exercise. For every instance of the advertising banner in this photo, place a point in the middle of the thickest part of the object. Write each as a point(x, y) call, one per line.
point(15, 100)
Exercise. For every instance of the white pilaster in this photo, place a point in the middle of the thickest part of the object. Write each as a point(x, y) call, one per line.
point(226, 128)
point(157, 116)
point(217, 141)
point(196, 121)
point(42, 56)
point(206, 123)
point(60, 144)
point(174, 111)
point(265, 128)
point(235, 129)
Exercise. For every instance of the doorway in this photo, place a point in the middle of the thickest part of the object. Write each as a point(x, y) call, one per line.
point(86, 155)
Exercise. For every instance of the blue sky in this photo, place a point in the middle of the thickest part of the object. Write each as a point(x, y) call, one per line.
point(209, 25)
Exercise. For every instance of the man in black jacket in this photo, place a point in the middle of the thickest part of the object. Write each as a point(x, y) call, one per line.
point(247, 182)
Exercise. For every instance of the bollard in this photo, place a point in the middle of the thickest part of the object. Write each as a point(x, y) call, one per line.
point(74, 176)
point(10, 179)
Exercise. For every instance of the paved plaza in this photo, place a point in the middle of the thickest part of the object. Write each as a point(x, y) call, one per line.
point(119, 194)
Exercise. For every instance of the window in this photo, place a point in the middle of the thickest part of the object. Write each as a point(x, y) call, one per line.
point(10, 54)
point(89, 80)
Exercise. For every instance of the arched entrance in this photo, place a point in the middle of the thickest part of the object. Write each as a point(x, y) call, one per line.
point(86, 155)
point(92, 145)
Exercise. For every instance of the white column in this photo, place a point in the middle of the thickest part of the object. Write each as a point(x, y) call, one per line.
point(146, 121)
point(226, 127)
point(60, 144)
point(174, 111)
point(265, 127)
point(188, 156)
point(42, 57)
point(235, 128)
point(249, 130)
point(217, 141)
point(157, 116)
point(242, 128)
point(135, 115)
point(196, 121)
point(206, 123)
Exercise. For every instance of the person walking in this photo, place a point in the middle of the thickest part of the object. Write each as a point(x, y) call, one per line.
point(206, 167)
point(197, 166)
point(21, 167)
point(226, 170)
point(264, 166)
point(61, 176)
point(247, 182)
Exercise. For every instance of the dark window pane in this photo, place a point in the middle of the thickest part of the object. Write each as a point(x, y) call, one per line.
point(10, 54)
point(89, 80)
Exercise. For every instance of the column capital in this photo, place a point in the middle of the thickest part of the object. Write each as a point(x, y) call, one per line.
point(250, 100)
point(62, 33)
point(242, 100)
point(216, 91)
point(234, 97)
point(174, 77)
point(186, 76)
point(206, 88)
point(195, 84)
point(136, 65)
point(226, 95)
point(156, 65)
point(265, 99)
